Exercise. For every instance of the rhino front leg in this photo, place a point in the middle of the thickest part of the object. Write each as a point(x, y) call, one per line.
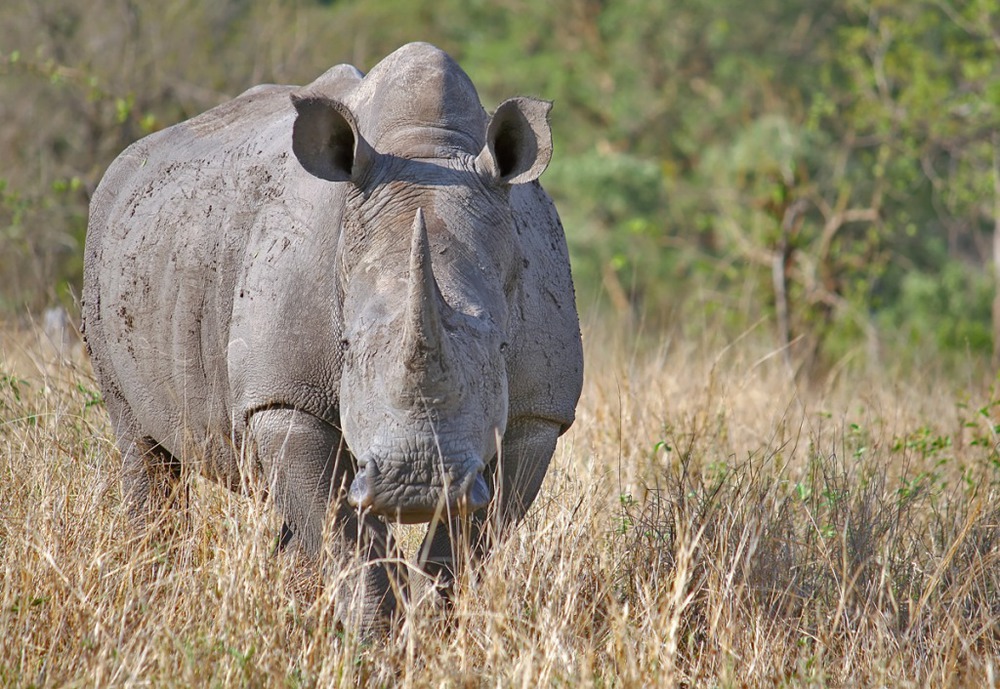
point(369, 588)
point(308, 467)
point(527, 448)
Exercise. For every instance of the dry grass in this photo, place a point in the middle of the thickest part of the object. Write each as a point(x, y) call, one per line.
point(705, 523)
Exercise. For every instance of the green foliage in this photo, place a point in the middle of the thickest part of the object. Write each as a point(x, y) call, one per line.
point(612, 201)
point(947, 311)
point(698, 145)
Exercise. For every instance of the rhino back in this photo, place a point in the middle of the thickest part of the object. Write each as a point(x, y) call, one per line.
point(175, 227)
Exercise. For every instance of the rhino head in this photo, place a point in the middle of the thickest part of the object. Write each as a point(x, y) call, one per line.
point(428, 269)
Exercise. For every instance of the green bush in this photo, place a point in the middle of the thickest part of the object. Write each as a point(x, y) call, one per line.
point(947, 311)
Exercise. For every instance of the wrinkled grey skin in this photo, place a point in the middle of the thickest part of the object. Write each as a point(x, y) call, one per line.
point(359, 287)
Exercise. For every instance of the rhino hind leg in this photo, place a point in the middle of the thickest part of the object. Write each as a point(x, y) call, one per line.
point(528, 446)
point(308, 466)
point(150, 478)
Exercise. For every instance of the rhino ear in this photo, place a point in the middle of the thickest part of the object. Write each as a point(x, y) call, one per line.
point(518, 141)
point(326, 140)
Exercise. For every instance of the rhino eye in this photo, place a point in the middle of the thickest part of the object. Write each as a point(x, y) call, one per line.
point(504, 347)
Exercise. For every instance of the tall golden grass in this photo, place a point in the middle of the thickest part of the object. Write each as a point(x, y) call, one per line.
point(706, 522)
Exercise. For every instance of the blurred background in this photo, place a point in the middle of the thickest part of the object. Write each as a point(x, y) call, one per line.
point(824, 174)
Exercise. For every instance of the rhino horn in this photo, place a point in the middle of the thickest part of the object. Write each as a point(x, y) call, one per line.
point(424, 340)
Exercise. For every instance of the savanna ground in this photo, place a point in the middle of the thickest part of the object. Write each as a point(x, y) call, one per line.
point(706, 522)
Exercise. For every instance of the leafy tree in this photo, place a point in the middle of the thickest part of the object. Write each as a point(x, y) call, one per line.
point(827, 168)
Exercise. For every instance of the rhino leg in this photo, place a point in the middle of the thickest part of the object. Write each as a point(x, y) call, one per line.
point(368, 588)
point(150, 478)
point(445, 548)
point(527, 448)
point(308, 467)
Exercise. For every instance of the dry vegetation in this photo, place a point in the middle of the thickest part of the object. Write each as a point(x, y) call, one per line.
point(705, 523)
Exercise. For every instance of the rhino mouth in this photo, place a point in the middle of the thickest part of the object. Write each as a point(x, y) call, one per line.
point(414, 489)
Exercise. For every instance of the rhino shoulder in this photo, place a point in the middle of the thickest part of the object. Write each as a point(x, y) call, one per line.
point(548, 376)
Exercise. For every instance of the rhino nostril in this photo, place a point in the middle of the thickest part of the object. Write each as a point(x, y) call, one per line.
point(360, 494)
point(478, 494)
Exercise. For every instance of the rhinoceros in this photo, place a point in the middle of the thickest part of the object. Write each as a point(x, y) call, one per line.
point(355, 289)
